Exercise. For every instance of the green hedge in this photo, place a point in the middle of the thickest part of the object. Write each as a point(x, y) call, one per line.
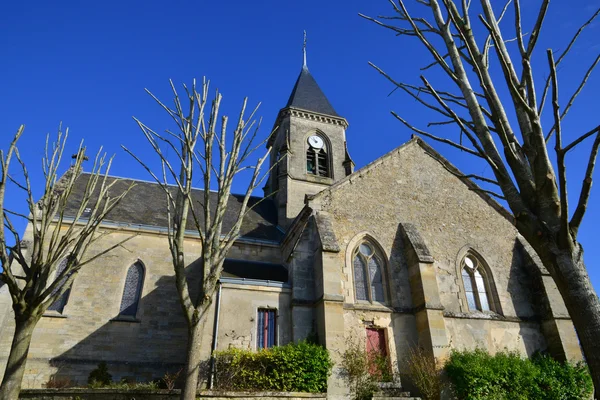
point(300, 367)
point(478, 375)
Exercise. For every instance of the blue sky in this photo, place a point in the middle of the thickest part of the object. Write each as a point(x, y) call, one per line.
point(87, 64)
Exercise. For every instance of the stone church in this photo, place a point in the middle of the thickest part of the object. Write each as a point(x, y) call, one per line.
point(404, 252)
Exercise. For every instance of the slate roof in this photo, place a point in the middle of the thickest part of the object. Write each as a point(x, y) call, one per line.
point(254, 270)
point(307, 95)
point(146, 205)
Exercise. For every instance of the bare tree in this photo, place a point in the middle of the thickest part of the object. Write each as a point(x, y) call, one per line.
point(516, 149)
point(29, 267)
point(202, 146)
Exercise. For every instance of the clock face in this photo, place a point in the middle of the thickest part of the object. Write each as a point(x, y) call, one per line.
point(315, 142)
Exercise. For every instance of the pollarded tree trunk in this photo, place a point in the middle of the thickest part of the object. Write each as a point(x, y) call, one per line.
point(192, 366)
point(569, 273)
point(583, 305)
point(15, 368)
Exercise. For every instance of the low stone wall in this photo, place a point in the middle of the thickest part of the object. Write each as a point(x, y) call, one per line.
point(120, 394)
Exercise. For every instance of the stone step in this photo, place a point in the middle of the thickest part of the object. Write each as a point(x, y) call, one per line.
point(392, 391)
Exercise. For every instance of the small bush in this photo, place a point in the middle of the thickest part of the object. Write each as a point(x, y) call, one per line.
point(100, 377)
point(56, 382)
point(363, 371)
point(126, 385)
point(478, 375)
point(355, 371)
point(425, 373)
point(170, 380)
point(562, 380)
point(301, 367)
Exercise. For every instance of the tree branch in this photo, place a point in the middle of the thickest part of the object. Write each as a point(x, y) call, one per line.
point(584, 195)
point(560, 158)
point(436, 138)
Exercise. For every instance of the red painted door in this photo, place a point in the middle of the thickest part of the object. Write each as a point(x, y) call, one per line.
point(375, 348)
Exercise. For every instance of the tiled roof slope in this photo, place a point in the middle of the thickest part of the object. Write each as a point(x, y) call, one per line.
point(146, 205)
point(307, 95)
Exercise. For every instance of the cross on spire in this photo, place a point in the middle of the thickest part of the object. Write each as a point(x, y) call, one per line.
point(304, 50)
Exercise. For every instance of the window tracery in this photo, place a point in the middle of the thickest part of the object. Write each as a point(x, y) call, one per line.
point(368, 265)
point(476, 282)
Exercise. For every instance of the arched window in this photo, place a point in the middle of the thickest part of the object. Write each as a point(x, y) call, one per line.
point(61, 302)
point(133, 290)
point(477, 284)
point(317, 157)
point(368, 268)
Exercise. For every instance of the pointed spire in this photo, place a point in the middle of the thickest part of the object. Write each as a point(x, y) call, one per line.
point(304, 51)
point(307, 94)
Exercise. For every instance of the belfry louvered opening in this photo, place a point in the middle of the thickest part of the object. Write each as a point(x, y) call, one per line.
point(317, 162)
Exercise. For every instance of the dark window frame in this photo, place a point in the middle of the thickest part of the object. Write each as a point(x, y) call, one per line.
point(266, 328)
point(129, 306)
point(318, 161)
point(61, 302)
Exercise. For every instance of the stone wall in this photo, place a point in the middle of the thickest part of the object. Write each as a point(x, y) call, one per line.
point(143, 348)
point(412, 185)
point(118, 394)
point(239, 306)
point(302, 270)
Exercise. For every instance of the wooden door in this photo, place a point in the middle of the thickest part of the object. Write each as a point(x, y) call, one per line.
point(376, 349)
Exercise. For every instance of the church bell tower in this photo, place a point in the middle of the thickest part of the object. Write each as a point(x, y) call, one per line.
point(309, 151)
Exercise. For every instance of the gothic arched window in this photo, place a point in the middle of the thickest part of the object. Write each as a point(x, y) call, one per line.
point(133, 290)
point(317, 157)
point(61, 302)
point(477, 284)
point(368, 265)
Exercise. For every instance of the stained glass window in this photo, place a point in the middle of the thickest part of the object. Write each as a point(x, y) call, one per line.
point(360, 280)
point(61, 302)
point(369, 279)
point(133, 290)
point(376, 280)
point(474, 282)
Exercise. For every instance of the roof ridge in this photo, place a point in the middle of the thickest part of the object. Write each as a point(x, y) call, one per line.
point(168, 184)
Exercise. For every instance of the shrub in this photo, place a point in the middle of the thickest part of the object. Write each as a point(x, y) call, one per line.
point(300, 367)
point(562, 380)
point(363, 371)
point(425, 373)
point(126, 385)
point(170, 380)
point(100, 377)
point(478, 375)
point(355, 371)
point(56, 382)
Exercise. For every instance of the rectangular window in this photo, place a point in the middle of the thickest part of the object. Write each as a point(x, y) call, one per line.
point(266, 328)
